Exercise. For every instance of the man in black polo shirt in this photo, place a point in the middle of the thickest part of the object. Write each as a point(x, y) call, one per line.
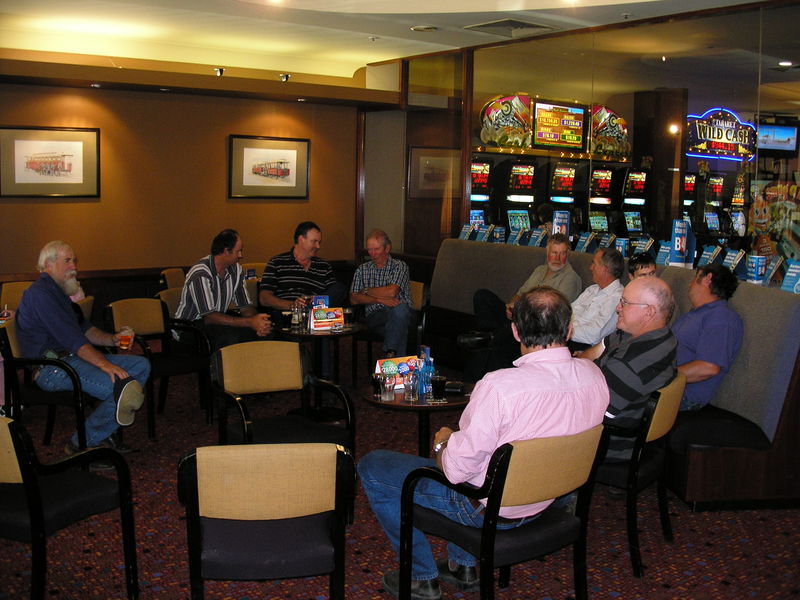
point(291, 275)
point(638, 358)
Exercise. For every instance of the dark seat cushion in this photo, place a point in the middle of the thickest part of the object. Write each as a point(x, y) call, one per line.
point(66, 498)
point(551, 530)
point(265, 549)
point(717, 428)
point(616, 473)
point(291, 429)
point(176, 364)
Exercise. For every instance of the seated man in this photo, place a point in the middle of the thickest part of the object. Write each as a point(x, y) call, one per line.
point(300, 272)
point(494, 316)
point(641, 264)
point(638, 358)
point(211, 285)
point(546, 393)
point(594, 312)
point(709, 336)
point(47, 325)
point(381, 284)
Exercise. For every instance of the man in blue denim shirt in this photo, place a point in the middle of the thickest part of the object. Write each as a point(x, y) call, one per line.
point(47, 324)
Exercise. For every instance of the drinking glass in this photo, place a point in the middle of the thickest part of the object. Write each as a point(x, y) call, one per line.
point(439, 384)
point(387, 388)
point(125, 337)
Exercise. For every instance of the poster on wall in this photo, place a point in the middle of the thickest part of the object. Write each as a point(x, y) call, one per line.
point(49, 162)
point(433, 172)
point(774, 219)
point(267, 167)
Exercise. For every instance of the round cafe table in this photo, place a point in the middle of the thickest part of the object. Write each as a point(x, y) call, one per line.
point(317, 337)
point(423, 410)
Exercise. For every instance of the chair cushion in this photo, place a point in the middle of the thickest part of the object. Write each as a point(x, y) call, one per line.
point(66, 498)
point(616, 473)
point(715, 427)
point(176, 364)
point(32, 395)
point(551, 530)
point(264, 549)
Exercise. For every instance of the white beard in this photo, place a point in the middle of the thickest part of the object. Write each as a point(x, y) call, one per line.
point(71, 285)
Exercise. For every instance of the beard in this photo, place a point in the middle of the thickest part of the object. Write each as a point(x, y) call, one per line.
point(70, 285)
point(556, 267)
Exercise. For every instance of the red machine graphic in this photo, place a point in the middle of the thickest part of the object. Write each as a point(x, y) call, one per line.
point(49, 163)
point(277, 169)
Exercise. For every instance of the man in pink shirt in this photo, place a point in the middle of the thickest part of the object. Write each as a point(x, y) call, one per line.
point(547, 393)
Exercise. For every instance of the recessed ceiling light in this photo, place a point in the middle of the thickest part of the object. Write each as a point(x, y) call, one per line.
point(424, 28)
point(95, 85)
point(301, 99)
point(785, 63)
point(163, 89)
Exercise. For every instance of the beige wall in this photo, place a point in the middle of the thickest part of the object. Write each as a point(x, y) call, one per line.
point(164, 178)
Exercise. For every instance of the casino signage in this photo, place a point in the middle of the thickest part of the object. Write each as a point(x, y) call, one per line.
point(720, 133)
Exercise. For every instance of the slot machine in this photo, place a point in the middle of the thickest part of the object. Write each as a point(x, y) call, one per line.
point(520, 195)
point(736, 209)
point(604, 196)
point(481, 189)
point(718, 188)
point(562, 192)
point(634, 203)
point(689, 193)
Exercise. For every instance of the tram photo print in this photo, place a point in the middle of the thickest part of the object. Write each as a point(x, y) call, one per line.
point(54, 162)
point(268, 167)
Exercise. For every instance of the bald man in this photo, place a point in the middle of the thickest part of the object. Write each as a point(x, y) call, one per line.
point(638, 358)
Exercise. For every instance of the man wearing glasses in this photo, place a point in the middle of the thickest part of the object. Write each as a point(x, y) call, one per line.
point(638, 358)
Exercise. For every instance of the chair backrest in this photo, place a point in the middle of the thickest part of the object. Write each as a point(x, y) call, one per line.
point(252, 290)
point(531, 474)
point(417, 289)
point(144, 315)
point(86, 305)
point(13, 347)
point(266, 481)
point(11, 293)
point(9, 465)
point(171, 297)
point(259, 367)
point(173, 277)
point(258, 267)
point(667, 408)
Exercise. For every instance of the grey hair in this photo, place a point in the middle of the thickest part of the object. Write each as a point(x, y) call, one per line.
point(379, 234)
point(50, 253)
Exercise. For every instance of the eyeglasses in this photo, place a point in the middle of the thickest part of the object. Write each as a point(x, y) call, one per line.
point(626, 302)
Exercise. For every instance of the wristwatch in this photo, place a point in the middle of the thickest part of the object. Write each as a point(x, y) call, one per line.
point(439, 447)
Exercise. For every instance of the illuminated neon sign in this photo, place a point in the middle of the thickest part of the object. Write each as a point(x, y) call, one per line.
point(720, 133)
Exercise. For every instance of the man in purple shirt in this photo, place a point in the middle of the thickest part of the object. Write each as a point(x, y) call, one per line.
point(48, 325)
point(709, 336)
point(547, 393)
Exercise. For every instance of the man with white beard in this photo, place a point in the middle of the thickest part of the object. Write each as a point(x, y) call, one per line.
point(48, 326)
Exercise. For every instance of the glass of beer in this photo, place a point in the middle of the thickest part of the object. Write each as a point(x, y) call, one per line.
point(125, 337)
point(348, 315)
point(439, 385)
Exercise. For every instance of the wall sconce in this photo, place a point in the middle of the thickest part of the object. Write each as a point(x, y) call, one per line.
point(284, 77)
point(219, 71)
point(674, 129)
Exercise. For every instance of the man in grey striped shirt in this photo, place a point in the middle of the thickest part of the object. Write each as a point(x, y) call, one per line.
point(213, 285)
point(638, 358)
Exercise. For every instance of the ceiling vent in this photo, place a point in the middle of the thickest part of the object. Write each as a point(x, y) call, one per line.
point(511, 28)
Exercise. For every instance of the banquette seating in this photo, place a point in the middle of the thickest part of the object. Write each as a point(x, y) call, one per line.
point(740, 448)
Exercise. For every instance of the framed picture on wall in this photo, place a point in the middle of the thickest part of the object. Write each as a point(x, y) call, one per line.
point(433, 172)
point(49, 162)
point(267, 167)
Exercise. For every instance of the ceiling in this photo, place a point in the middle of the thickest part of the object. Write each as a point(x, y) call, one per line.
point(322, 37)
point(328, 43)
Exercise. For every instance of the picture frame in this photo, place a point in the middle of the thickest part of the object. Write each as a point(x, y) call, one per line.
point(433, 172)
point(49, 162)
point(268, 167)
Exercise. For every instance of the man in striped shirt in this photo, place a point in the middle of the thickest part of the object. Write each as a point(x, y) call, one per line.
point(300, 272)
point(638, 358)
point(212, 285)
point(381, 284)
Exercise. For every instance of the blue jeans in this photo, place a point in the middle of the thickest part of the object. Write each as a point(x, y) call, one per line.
point(382, 473)
point(103, 421)
point(393, 323)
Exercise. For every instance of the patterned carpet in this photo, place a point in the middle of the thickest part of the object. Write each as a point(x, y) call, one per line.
point(720, 555)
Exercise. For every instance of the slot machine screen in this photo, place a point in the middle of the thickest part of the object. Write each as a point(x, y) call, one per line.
point(633, 221)
point(689, 189)
point(520, 183)
point(598, 221)
point(479, 173)
point(712, 220)
point(714, 190)
point(477, 217)
point(601, 187)
point(518, 219)
point(563, 180)
point(559, 125)
point(635, 187)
